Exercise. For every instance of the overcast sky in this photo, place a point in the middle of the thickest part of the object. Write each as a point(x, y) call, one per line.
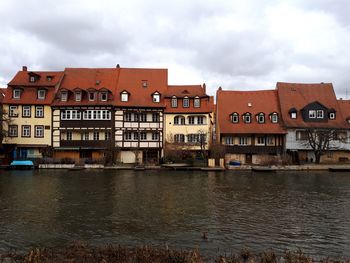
point(239, 45)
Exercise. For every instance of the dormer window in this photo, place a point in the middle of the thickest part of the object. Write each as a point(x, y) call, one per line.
point(16, 94)
point(312, 114)
point(197, 102)
point(144, 84)
point(274, 117)
point(49, 78)
point(92, 96)
point(332, 115)
point(32, 79)
point(156, 97)
point(261, 118)
point(64, 95)
point(186, 102)
point(293, 113)
point(41, 94)
point(124, 96)
point(174, 102)
point(319, 114)
point(247, 118)
point(103, 96)
point(78, 96)
point(235, 117)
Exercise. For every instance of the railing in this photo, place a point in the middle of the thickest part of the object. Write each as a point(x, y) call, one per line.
point(86, 124)
point(253, 149)
point(84, 144)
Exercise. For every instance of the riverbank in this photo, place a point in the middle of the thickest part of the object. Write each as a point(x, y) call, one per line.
point(150, 254)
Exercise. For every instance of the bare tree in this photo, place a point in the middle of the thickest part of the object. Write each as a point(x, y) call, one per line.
point(5, 122)
point(323, 140)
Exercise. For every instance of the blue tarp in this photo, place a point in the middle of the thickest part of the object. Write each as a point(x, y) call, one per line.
point(22, 163)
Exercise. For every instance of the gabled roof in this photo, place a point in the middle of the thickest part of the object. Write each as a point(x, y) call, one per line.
point(344, 106)
point(132, 79)
point(299, 95)
point(253, 102)
point(22, 78)
point(181, 91)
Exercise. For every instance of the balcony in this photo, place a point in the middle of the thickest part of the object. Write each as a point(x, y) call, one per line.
point(86, 124)
point(253, 149)
point(85, 144)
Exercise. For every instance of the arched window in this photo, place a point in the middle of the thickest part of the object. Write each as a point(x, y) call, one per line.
point(124, 96)
point(260, 117)
point(274, 117)
point(186, 102)
point(156, 97)
point(179, 120)
point(197, 102)
point(235, 117)
point(174, 102)
point(247, 117)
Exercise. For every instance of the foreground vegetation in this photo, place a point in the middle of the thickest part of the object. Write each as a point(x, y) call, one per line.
point(148, 254)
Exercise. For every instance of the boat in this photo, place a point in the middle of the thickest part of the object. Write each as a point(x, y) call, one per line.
point(213, 169)
point(22, 164)
point(339, 169)
point(264, 169)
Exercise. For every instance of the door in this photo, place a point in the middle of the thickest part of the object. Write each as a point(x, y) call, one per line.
point(248, 158)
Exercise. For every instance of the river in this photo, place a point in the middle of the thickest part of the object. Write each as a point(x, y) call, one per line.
point(286, 210)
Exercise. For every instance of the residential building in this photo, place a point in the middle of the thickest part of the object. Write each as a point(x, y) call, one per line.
point(307, 109)
point(83, 114)
point(27, 102)
point(139, 114)
point(188, 118)
point(249, 125)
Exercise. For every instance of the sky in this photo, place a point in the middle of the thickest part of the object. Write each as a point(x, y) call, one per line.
point(235, 44)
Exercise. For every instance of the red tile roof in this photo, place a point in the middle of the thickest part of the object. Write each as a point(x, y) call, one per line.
point(191, 91)
point(87, 79)
point(132, 79)
point(241, 102)
point(344, 106)
point(29, 89)
point(298, 95)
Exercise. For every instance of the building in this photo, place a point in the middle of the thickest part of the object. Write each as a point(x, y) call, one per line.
point(308, 109)
point(249, 125)
point(27, 102)
point(139, 114)
point(188, 119)
point(83, 114)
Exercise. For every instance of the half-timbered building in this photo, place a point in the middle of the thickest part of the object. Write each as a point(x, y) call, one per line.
point(82, 114)
point(139, 102)
point(249, 125)
point(27, 104)
point(188, 118)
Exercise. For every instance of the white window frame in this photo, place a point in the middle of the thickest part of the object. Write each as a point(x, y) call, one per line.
point(179, 120)
point(26, 111)
point(312, 114)
point(201, 120)
point(16, 94)
point(319, 114)
point(235, 117)
point(174, 102)
point(70, 115)
point(41, 94)
point(293, 115)
point(247, 118)
point(143, 136)
point(186, 102)
point(104, 96)
point(13, 111)
point(39, 131)
point(155, 117)
point(97, 115)
point(274, 118)
point(191, 120)
point(93, 97)
point(143, 117)
point(261, 118)
point(124, 96)
point(26, 130)
point(108, 136)
point(156, 97)
point(127, 136)
point(39, 111)
point(155, 136)
point(13, 130)
point(179, 138)
point(260, 140)
point(85, 136)
point(332, 116)
point(243, 140)
point(77, 95)
point(96, 136)
point(128, 116)
point(64, 95)
point(32, 79)
point(229, 140)
point(197, 102)
point(69, 136)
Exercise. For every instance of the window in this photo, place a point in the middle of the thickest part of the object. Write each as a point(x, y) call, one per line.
point(70, 115)
point(332, 115)
point(261, 118)
point(69, 136)
point(274, 118)
point(143, 136)
point(186, 102)
point(200, 120)
point(26, 110)
point(97, 115)
point(320, 114)
point(39, 111)
point(49, 78)
point(155, 117)
point(179, 138)
point(155, 136)
point(31, 79)
point(13, 111)
point(229, 140)
point(156, 97)
point(91, 96)
point(96, 136)
point(179, 120)
point(235, 117)
point(144, 83)
point(108, 136)
point(247, 118)
point(104, 96)
point(136, 116)
point(127, 116)
point(39, 131)
point(174, 102)
point(13, 130)
point(127, 136)
point(25, 130)
point(261, 140)
point(293, 115)
point(312, 114)
point(243, 140)
point(124, 96)
point(301, 135)
point(78, 96)
point(197, 102)
point(41, 94)
point(64, 95)
point(16, 94)
point(85, 136)
point(269, 140)
point(143, 117)
point(191, 120)
point(136, 136)
point(196, 138)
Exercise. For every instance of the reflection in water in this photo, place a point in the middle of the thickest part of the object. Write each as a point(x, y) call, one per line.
point(237, 209)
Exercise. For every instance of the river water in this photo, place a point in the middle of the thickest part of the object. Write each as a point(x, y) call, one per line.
point(287, 210)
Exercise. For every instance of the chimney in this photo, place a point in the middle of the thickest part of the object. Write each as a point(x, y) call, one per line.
point(204, 88)
point(24, 68)
point(220, 88)
point(118, 66)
